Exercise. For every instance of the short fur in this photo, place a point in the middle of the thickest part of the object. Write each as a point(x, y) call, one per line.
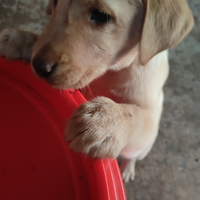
point(121, 65)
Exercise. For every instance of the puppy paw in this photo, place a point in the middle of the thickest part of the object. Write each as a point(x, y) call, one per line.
point(97, 129)
point(16, 44)
point(127, 169)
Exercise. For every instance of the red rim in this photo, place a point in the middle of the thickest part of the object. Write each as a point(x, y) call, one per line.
point(30, 104)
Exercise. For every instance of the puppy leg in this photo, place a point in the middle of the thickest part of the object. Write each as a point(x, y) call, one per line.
point(127, 169)
point(104, 129)
point(101, 128)
point(98, 129)
point(17, 44)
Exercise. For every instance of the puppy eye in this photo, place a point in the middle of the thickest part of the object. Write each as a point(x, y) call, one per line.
point(55, 2)
point(99, 17)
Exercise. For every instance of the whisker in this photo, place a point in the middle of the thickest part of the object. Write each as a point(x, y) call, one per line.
point(88, 86)
point(81, 89)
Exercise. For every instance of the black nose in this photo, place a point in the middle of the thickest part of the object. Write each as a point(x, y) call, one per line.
point(42, 68)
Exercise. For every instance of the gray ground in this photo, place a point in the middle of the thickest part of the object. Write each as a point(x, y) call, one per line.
point(172, 170)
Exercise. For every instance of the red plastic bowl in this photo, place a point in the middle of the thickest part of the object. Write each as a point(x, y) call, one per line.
point(35, 161)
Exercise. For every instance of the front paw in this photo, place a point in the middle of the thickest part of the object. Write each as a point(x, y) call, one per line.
point(97, 129)
point(16, 44)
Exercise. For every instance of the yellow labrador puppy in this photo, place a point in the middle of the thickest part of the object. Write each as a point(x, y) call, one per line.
point(116, 51)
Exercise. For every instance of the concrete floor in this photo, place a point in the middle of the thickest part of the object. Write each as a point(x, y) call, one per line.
point(172, 169)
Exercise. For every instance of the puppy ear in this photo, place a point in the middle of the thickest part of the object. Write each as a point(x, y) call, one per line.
point(49, 7)
point(166, 23)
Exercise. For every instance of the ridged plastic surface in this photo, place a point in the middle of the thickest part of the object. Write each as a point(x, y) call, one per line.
point(35, 161)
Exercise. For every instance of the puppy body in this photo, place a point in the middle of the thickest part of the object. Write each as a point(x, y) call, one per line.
point(124, 60)
point(137, 87)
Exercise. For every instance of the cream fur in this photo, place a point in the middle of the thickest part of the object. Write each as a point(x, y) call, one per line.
point(120, 66)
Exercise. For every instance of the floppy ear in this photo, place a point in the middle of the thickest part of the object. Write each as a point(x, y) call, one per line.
point(166, 23)
point(49, 7)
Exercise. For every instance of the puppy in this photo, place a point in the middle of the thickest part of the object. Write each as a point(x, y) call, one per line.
point(116, 52)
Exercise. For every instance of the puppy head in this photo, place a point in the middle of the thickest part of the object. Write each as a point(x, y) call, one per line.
point(85, 38)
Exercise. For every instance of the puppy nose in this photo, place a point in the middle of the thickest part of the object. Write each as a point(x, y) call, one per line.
point(42, 68)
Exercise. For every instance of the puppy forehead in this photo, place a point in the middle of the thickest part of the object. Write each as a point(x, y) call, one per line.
point(119, 7)
point(115, 4)
point(112, 4)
